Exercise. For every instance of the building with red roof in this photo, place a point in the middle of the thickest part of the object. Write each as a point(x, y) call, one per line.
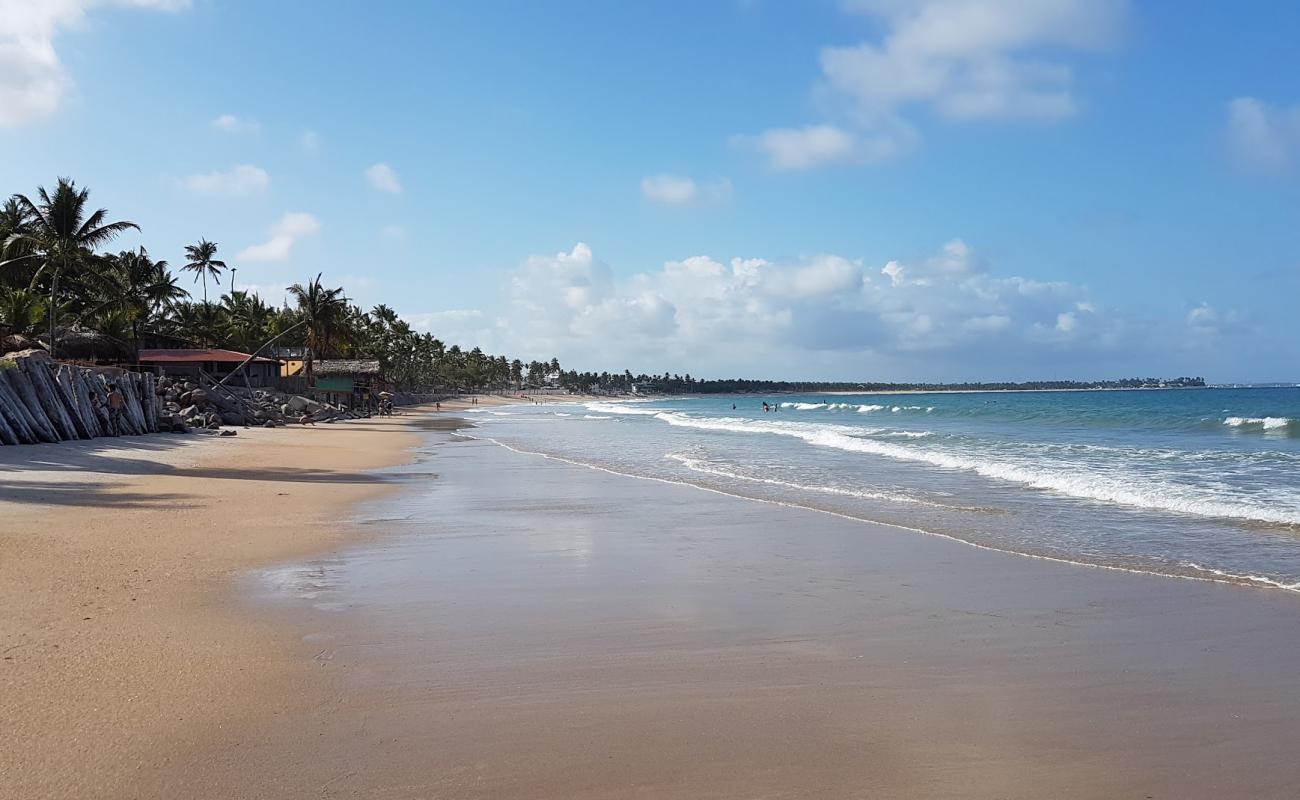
point(187, 363)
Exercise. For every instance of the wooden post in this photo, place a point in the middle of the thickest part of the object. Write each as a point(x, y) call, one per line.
point(62, 380)
point(80, 390)
point(21, 383)
point(47, 397)
point(11, 405)
point(7, 433)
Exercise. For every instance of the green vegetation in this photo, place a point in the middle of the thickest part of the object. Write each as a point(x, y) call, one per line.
point(50, 258)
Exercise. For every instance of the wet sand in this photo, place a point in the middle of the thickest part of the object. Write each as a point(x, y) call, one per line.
point(509, 626)
point(528, 628)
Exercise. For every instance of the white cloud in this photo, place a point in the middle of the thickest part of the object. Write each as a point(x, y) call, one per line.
point(455, 325)
point(243, 179)
point(33, 83)
point(960, 59)
point(1208, 322)
point(382, 177)
point(233, 124)
point(1263, 137)
point(821, 145)
point(676, 190)
point(310, 142)
point(281, 237)
point(761, 316)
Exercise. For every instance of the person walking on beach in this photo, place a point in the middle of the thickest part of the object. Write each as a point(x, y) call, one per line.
point(115, 403)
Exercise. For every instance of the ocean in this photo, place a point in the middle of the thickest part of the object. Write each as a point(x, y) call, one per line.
point(1192, 483)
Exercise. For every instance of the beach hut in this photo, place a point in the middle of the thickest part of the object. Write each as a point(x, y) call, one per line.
point(353, 382)
point(188, 362)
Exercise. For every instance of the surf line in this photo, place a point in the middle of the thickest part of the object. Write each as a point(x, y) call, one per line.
point(1227, 579)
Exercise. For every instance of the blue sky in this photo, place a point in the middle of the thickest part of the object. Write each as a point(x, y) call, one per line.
point(883, 189)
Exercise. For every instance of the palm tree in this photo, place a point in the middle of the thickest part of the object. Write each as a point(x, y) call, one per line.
point(325, 313)
point(247, 319)
point(21, 310)
point(133, 284)
point(202, 262)
point(59, 237)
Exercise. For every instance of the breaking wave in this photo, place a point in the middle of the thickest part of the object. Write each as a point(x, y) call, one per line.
point(1072, 479)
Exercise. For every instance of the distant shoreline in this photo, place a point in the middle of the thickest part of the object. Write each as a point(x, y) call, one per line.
point(847, 393)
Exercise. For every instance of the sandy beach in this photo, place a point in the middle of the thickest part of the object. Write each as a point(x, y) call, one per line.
point(199, 618)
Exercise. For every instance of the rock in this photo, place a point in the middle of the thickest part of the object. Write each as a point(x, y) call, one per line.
point(231, 418)
point(297, 404)
point(268, 424)
point(199, 397)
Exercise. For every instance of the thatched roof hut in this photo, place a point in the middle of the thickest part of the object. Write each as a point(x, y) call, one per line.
point(15, 342)
point(346, 366)
point(84, 344)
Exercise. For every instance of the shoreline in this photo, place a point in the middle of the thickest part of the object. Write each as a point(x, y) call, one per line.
point(1210, 576)
point(531, 628)
point(376, 681)
point(119, 567)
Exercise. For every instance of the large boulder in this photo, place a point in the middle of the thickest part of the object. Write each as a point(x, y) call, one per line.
point(297, 404)
point(231, 418)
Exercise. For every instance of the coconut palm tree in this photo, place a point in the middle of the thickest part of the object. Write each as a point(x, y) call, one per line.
point(137, 287)
point(202, 261)
point(247, 319)
point(21, 311)
point(17, 272)
point(324, 311)
point(59, 237)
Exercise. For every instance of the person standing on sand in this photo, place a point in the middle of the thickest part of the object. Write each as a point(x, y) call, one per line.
point(115, 403)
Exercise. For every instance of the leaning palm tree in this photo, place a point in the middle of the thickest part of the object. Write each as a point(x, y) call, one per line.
point(60, 237)
point(202, 261)
point(324, 312)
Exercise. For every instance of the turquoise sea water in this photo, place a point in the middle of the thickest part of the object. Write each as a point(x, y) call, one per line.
point(1194, 483)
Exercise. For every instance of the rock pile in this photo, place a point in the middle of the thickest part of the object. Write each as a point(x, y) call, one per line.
point(185, 404)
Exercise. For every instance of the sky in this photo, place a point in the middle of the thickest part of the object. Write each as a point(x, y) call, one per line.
point(938, 190)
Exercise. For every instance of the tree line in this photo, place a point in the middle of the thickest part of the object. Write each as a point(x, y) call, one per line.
point(56, 276)
point(606, 382)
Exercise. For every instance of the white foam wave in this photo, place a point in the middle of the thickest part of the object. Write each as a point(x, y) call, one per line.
point(861, 408)
point(1267, 423)
point(707, 468)
point(1069, 479)
point(1239, 578)
point(622, 408)
point(1208, 575)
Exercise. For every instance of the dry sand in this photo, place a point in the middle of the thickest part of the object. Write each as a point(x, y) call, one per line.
point(535, 629)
